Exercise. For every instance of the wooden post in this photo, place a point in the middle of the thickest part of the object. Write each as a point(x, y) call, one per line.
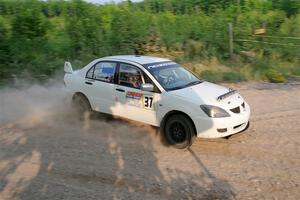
point(230, 34)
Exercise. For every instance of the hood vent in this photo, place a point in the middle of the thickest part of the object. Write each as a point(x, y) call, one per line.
point(223, 96)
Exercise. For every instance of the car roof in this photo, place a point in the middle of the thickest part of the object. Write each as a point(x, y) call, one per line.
point(138, 59)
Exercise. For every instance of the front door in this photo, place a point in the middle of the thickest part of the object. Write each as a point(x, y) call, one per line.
point(130, 101)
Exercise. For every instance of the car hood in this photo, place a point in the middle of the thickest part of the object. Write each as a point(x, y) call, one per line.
point(204, 93)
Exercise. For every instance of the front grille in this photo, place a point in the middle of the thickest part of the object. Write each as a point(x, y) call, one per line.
point(236, 110)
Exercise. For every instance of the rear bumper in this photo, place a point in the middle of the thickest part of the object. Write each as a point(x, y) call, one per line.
point(222, 127)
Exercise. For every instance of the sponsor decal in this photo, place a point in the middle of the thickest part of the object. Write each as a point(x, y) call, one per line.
point(139, 100)
point(134, 99)
point(134, 95)
point(135, 103)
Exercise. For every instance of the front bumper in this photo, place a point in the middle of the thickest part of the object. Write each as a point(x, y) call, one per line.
point(221, 127)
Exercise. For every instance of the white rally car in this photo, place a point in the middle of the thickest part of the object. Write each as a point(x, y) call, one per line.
point(158, 92)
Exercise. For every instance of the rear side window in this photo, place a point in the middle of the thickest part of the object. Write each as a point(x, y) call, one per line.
point(90, 73)
point(102, 71)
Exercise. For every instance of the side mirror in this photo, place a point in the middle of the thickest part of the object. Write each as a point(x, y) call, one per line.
point(147, 87)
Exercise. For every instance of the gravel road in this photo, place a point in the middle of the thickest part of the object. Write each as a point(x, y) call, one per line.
point(46, 152)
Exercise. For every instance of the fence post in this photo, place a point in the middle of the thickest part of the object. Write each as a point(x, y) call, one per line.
point(230, 34)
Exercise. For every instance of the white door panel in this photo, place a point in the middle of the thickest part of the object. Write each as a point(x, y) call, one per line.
point(136, 104)
point(100, 94)
point(99, 86)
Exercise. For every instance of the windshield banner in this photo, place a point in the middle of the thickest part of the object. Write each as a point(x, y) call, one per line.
point(153, 66)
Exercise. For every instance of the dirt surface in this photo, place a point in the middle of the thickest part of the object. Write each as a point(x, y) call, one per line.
point(46, 152)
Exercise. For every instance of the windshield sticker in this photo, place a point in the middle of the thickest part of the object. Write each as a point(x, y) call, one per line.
point(150, 66)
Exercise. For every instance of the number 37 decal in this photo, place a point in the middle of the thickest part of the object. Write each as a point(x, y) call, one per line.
point(148, 102)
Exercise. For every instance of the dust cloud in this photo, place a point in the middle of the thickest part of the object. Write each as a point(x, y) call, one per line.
point(30, 105)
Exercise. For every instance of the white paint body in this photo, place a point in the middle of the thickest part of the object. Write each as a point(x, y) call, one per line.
point(104, 97)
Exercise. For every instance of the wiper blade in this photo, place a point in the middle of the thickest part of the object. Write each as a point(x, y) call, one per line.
point(193, 83)
point(176, 88)
point(184, 86)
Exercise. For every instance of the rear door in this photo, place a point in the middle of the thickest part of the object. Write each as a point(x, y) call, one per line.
point(99, 86)
point(132, 102)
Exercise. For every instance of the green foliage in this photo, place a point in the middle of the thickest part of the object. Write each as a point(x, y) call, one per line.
point(275, 76)
point(4, 47)
point(194, 49)
point(233, 76)
point(296, 70)
point(36, 36)
point(212, 76)
point(291, 7)
point(217, 76)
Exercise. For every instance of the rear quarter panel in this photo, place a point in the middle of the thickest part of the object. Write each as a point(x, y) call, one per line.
point(74, 82)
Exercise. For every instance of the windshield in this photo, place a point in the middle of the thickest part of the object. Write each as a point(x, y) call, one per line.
point(171, 75)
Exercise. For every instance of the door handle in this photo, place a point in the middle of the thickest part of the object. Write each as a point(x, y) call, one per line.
point(120, 90)
point(89, 83)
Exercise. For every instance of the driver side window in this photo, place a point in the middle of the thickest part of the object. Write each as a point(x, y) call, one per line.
point(130, 76)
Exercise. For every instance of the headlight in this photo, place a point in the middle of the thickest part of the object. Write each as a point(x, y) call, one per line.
point(214, 111)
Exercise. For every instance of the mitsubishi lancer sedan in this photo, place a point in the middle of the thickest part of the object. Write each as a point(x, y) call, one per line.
point(158, 92)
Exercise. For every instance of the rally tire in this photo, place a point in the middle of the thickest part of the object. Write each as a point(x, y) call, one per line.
point(81, 105)
point(179, 131)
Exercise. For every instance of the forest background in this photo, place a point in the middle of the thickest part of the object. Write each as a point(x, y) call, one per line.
point(36, 37)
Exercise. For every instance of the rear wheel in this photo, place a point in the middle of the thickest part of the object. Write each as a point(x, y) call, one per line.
point(179, 131)
point(82, 105)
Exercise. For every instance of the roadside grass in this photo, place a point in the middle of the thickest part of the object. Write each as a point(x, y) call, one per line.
point(213, 69)
point(238, 69)
point(254, 66)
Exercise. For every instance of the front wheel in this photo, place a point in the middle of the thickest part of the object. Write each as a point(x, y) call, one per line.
point(179, 131)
